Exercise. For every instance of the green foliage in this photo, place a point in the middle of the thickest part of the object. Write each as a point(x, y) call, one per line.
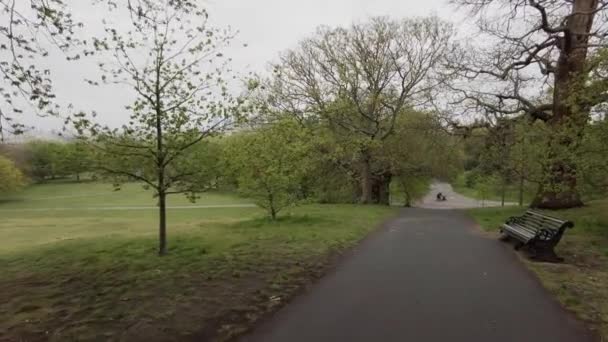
point(45, 159)
point(592, 159)
point(333, 177)
point(53, 159)
point(485, 186)
point(76, 159)
point(330, 80)
point(512, 151)
point(411, 188)
point(11, 178)
point(271, 164)
point(31, 30)
point(418, 151)
point(181, 100)
point(520, 153)
point(28, 29)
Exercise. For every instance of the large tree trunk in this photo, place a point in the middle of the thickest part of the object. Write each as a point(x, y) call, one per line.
point(160, 166)
point(521, 190)
point(162, 224)
point(503, 191)
point(381, 189)
point(271, 206)
point(375, 189)
point(559, 187)
point(366, 181)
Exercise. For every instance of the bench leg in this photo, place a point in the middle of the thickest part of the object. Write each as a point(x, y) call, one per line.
point(546, 254)
point(519, 245)
point(504, 237)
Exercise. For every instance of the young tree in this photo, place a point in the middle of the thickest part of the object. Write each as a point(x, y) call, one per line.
point(171, 60)
point(76, 159)
point(485, 186)
point(358, 81)
point(526, 155)
point(495, 158)
point(270, 164)
point(11, 178)
point(538, 47)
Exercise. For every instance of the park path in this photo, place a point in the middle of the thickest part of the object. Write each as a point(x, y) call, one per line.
point(427, 275)
point(454, 199)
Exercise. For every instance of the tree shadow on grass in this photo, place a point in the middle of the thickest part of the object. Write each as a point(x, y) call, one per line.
point(10, 200)
point(285, 220)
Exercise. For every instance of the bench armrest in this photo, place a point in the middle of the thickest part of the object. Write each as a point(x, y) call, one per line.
point(513, 219)
point(547, 234)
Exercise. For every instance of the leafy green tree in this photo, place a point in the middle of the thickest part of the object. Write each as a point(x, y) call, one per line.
point(495, 158)
point(77, 159)
point(592, 160)
point(485, 187)
point(11, 178)
point(511, 149)
point(357, 81)
point(418, 151)
point(412, 188)
point(46, 159)
point(527, 156)
point(181, 100)
point(270, 164)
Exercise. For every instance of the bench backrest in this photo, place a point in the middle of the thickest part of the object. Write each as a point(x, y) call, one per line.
point(538, 221)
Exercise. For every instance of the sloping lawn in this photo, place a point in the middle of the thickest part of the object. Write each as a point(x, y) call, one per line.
point(581, 282)
point(94, 275)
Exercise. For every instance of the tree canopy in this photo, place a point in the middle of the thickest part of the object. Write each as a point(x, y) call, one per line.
point(358, 81)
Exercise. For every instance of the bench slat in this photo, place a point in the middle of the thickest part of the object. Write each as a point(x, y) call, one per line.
point(520, 234)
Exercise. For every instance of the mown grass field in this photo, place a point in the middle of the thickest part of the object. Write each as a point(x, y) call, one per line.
point(581, 282)
point(75, 267)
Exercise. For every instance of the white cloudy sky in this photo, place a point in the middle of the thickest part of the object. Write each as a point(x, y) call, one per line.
point(266, 26)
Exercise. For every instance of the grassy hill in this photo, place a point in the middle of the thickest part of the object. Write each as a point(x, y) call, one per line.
point(78, 262)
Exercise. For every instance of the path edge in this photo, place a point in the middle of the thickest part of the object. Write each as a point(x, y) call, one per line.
point(329, 266)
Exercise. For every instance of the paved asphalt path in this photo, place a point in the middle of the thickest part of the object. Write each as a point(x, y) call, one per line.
point(454, 199)
point(428, 275)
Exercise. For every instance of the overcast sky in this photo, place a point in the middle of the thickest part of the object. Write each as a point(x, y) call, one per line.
point(266, 26)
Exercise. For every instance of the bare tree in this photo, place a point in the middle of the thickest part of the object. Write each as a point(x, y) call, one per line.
point(533, 58)
point(359, 80)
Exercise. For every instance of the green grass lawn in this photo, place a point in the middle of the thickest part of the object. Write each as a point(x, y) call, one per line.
point(93, 195)
point(580, 282)
point(80, 274)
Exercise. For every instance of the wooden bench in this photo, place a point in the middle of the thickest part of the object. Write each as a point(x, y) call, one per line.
point(537, 232)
